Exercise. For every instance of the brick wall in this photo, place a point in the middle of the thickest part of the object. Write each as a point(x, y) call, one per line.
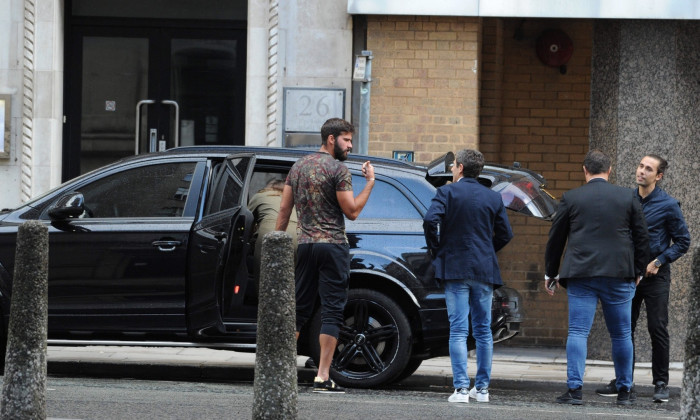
point(424, 92)
point(537, 116)
point(427, 98)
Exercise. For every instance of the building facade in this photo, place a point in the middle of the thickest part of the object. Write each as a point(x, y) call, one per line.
point(84, 83)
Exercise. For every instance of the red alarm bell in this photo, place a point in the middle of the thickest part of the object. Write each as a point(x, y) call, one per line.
point(554, 48)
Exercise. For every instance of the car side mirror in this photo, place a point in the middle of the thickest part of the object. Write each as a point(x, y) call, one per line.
point(69, 206)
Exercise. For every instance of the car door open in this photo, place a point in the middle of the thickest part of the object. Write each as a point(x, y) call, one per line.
point(217, 273)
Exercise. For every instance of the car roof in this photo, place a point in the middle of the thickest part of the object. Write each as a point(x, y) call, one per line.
point(280, 151)
point(290, 154)
point(490, 171)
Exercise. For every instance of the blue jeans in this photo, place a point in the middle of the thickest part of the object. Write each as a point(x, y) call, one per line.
point(465, 297)
point(616, 299)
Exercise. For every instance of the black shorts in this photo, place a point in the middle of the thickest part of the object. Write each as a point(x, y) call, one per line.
point(322, 270)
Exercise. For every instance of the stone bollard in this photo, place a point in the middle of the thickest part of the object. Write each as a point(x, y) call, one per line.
point(690, 402)
point(24, 384)
point(275, 387)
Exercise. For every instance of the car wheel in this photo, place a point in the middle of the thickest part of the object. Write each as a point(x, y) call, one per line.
point(374, 346)
point(409, 370)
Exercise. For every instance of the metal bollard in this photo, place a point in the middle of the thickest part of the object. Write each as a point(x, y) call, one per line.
point(24, 385)
point(690, 403)
point(275, 385)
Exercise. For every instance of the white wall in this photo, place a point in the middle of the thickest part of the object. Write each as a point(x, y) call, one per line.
point(312, 47)
point(10, 83)
point(257, 72)
point(48, 96)
point(34, 166)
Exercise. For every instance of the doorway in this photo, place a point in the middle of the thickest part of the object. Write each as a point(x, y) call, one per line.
point(140, 84)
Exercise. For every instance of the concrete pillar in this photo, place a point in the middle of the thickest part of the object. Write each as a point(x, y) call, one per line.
point(24, 384)
point(275, 384)
point(690, 403)
point(645, 98)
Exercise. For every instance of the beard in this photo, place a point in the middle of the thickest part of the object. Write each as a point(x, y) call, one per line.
point(339, 153)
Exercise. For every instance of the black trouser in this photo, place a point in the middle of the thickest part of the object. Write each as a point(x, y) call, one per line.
point(654, 292)
point(322, 270)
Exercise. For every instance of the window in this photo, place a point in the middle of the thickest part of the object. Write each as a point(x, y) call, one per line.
point(230, 194)
point(228, 184)
point(261, 179)
point(385, 202)
point(146, 191)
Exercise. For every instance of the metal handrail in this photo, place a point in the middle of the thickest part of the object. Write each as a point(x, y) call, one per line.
point(177, 119)
point(138, 122)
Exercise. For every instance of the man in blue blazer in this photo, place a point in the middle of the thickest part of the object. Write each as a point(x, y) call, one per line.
point(465, 226)
point(607, 249)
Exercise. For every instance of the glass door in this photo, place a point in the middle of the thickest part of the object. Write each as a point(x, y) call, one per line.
point(204, 83)
point(115, 74)
point(141, 90)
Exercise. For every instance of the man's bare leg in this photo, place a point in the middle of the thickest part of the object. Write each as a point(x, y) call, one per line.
point(328, 344)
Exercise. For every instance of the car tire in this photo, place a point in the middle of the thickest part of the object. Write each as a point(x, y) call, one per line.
point(409, 370)
point(373, 351)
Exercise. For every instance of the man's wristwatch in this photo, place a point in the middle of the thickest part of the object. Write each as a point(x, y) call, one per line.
point(657, 263)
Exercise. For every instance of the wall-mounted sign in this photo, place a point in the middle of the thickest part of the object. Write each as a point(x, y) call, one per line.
point(404, 155)
point(358, 73)
point(5, 111)
point(306, 109)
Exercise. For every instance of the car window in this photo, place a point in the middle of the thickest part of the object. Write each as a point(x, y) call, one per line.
point(228, 185)
point(260, 180)
point(385, 202)
point(230, 194)
point(146, 191)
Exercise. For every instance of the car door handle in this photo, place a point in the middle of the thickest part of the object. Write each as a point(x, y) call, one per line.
point(205, 249)
point(166, 246)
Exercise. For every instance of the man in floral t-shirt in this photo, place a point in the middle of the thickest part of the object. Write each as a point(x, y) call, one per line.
point(320, 188)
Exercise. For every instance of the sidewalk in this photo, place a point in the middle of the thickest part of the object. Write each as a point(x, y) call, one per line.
point(510, 366)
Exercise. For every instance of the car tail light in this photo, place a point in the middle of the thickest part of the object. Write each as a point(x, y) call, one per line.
point(519, 194)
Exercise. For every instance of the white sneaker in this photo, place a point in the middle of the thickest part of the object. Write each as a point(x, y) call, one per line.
point(460, 396)
point(481, 395)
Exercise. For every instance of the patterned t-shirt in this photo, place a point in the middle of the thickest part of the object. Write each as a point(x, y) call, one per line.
point(315, 179)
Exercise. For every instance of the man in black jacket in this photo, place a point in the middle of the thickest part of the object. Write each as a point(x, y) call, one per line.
point(606, 256)
point(669, 240)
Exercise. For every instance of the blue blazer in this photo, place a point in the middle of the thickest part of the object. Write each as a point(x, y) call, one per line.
point(465, 226)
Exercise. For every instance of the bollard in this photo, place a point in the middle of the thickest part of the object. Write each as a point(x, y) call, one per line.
point(690, 403)
point(24, 384)
point(275, 384)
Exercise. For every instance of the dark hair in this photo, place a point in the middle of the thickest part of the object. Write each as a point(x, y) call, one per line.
point(472, 161)
point(663, 165)
point(335, 127)
point(596, 162)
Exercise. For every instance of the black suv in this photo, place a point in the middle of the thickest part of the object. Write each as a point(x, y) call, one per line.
point(155, 249)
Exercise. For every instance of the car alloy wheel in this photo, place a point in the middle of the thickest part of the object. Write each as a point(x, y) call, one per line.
point(374, 346)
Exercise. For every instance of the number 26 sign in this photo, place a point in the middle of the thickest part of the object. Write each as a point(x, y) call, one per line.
point(306, 109)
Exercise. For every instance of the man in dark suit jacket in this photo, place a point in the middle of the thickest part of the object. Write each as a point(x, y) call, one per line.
point(606, 256)
point(464, 227)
